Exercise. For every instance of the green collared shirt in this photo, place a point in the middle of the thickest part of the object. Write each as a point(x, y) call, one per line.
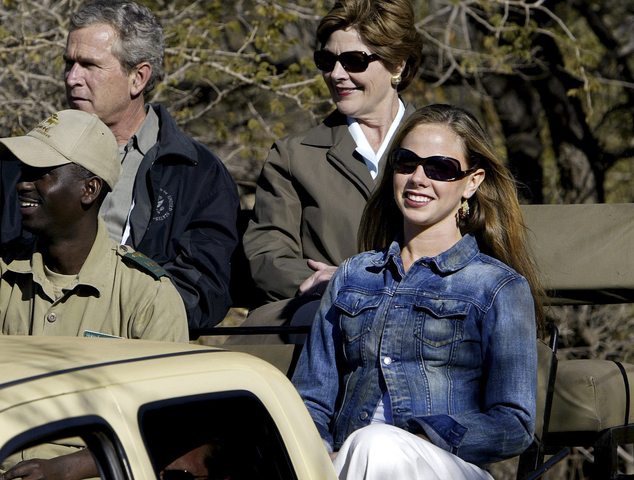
point(111, 295)
point(117, 205)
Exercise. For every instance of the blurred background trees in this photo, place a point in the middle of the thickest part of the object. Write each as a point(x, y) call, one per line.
point(551, 80)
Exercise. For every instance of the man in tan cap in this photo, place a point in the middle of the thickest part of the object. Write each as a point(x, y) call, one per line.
point(70, 278)
point(176, 202)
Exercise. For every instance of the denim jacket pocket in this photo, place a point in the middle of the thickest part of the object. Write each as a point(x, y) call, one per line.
point(358, 310)
point(438, 326)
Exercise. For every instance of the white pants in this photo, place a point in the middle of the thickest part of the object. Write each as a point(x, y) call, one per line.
point(385, 452)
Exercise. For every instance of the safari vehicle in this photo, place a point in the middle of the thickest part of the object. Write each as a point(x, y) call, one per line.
point(585, 254)
point(138, 405)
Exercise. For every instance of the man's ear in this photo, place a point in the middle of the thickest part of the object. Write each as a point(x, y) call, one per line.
point(92, 189)
point(140, 76)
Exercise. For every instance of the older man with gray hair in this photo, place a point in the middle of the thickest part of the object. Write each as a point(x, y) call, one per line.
point(176, 201)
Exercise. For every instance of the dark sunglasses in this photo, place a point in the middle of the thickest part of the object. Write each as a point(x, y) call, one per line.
point(180, 475)
point(437, 167)
point(354, 62)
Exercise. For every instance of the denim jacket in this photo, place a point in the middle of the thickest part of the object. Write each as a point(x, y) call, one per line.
point(453, 342)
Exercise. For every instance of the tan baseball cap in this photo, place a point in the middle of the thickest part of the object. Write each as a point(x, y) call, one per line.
point(70, 136)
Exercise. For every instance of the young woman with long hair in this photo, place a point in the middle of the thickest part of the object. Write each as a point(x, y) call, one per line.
point(422, 359)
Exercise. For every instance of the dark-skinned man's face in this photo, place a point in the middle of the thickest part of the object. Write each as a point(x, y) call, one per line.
point(50, 198)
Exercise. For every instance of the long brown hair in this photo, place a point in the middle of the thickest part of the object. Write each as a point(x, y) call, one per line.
point(495, 218)
point(387, 26)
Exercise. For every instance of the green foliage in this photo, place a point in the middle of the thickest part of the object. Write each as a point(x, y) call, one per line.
point(276, 107)
point(240, 73)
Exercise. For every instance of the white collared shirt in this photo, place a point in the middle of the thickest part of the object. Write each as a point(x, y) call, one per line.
point(363, 146)
point(383, 412)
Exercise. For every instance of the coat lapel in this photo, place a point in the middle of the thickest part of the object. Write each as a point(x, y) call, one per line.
point(333, 134)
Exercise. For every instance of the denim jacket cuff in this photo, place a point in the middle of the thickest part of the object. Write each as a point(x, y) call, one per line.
point(326, 437)
point(442, 430)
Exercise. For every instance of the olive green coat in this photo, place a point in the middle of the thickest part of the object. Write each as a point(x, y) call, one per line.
point(308, 204)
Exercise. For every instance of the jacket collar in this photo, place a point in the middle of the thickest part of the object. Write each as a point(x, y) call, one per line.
point(328, 133)
point(333, 134)
point(147, 135)
point(335, 128)
point(334, 137)
point(449, 261)
point(171, 141)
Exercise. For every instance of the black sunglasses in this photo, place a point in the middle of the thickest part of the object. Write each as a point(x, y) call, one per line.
point(437, 167)
point(180, 475)
point(354, 62)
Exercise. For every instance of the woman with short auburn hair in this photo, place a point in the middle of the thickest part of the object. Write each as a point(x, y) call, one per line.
point(315, 184)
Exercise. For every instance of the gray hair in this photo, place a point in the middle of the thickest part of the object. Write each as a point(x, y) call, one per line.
point(140, 36)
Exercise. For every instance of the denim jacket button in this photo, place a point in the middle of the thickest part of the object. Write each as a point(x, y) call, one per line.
point(363, 415)
point(387, 361)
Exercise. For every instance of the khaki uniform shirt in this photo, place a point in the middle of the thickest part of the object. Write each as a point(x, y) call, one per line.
point(112, 294)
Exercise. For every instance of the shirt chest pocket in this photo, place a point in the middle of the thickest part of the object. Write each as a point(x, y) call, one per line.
point(358, 311)
point(438, 328)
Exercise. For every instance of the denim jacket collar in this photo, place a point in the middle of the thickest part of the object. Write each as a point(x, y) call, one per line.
point(449, 261)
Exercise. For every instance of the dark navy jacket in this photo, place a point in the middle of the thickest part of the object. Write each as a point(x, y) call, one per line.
point(184, 218)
